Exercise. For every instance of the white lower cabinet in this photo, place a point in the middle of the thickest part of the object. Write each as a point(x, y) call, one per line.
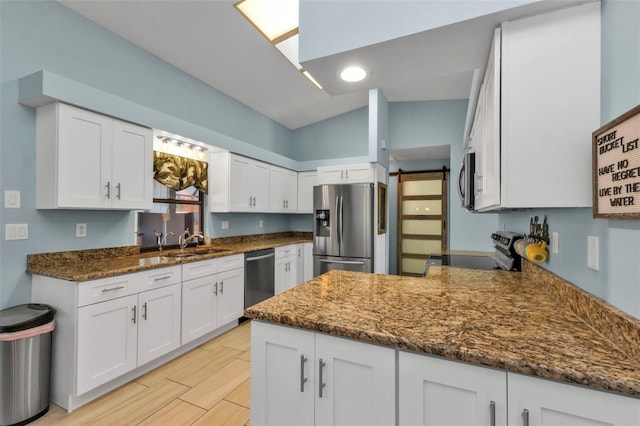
point(303, 378)
point(308, 261)
point(118, 335)
point(212, 295)
point(286, 265)
point(434, 391)
point(539, 402)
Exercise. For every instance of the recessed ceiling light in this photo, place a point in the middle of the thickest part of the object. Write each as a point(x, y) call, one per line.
point(353, 74)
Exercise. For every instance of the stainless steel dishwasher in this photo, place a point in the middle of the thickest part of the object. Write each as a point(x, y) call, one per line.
point(258, 276)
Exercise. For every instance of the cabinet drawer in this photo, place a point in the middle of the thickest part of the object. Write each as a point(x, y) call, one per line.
point(286, 251)
point(228, 263)
point(105, 289)
point(156, 278)
point(199, 269)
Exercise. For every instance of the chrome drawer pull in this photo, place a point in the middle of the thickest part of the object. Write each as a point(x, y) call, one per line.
point(134, 314)
point(144, 313)
point(105, 290)
point(525, 417)
point(166, 277)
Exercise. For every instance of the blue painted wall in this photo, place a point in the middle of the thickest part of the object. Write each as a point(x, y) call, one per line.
point(345, 135)
point(618, 280)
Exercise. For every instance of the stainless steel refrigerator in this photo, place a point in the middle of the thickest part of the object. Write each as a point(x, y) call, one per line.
point(343, 228)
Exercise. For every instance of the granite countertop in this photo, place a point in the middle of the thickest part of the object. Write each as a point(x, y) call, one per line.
point(529, 322)
point(84, 265)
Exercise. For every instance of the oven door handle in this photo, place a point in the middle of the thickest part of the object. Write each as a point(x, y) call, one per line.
point(460, 183)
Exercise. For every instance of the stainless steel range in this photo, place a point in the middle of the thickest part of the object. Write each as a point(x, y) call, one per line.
point(504, 256)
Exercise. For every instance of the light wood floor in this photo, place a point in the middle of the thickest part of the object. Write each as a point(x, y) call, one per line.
point(207, 386)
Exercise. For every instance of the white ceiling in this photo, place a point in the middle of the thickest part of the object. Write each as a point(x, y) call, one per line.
point(211, 41)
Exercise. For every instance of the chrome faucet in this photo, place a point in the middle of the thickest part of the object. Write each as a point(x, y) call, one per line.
point(160, 240)
point(186, 238)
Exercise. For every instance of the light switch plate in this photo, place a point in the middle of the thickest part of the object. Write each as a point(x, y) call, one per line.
point(16, 231)
point(593, 252)
point(11, 199)
point(260, 223)
point(225, 224)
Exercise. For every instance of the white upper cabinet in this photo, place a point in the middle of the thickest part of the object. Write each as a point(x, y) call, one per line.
point(547, 104)
point(86, 160)
point(283, 190)
point(306, 182)
point(352, 173)
point(238, 184)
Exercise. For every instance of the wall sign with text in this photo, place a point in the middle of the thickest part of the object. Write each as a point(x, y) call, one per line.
point(616, 168)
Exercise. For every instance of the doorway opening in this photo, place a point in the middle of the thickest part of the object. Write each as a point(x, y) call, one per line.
point(422, 224)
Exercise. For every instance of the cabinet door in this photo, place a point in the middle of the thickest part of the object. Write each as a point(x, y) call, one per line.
point(259, 186)
point(550, 403)
point(281, 275)
point(551, 101)
point(84, 158)
point(158, 322)
point(131, 166)
point(107, 341)
point(306, 182)
point(358, 173)
point(436, 392)
point(291, 191)
point(488, 147)
point(357, 380)
point(239, 196)
point(282, 375)
point(300, 264)
point(330, 174)
point(277, 189)
point(230, 303)
point(198, 307)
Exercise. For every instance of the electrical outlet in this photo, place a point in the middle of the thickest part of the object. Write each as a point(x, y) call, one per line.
point(81, 229)
point(555, 243)
point(260, 224)
point(225, 224)
point(593, 253)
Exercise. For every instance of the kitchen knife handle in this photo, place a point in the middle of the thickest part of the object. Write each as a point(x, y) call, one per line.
point(525, 417)
point(492, 413)
point(303, 379)
point(321, 385)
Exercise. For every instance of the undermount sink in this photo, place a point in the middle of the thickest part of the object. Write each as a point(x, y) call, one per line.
point(210, 250)
point(181, 255)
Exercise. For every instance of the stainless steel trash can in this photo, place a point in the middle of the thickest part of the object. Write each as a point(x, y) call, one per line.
point(25, 362)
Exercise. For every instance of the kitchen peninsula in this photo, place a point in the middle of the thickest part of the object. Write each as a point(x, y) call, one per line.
point(341, 344)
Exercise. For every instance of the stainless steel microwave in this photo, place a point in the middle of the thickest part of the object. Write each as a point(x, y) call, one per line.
point(466, 180)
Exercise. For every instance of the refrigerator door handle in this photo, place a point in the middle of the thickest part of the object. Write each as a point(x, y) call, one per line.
point(342, 262)
point(340, 220)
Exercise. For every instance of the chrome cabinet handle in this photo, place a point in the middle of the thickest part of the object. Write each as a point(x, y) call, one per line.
point(216, 288)
point(108, 185)
point(222, 287)
point(283, 204)
point(492, 413)
point(321, 385)
point(118, 188)
point(341, 174)
point(525, 417)
point(287, 201)
point(134, 314)
point(144, 311)
point(303, 379)
point(105, 290)
point(164, 277)
point(250, 202)
point(346, 172)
